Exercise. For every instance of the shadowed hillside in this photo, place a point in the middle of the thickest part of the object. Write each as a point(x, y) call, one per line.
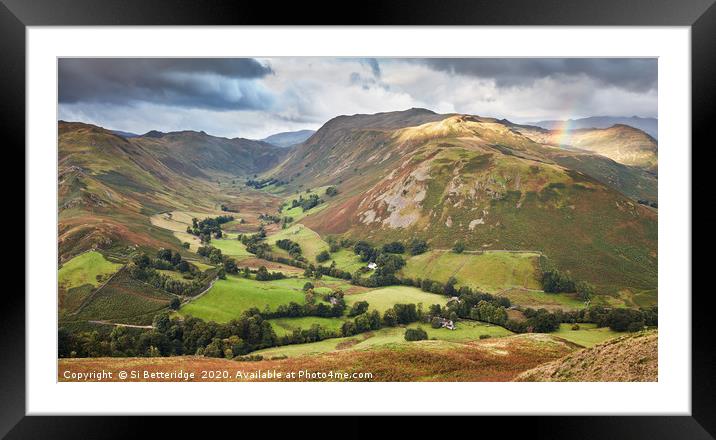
point(109, 185)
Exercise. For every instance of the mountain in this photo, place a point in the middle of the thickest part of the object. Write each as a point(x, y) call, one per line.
point(444, 178)
point(630, 358)
point(621, 143)
point(647, 125)
point(288, 138)
point(109, 185)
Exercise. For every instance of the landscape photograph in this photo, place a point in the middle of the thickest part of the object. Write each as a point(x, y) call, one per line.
point(357, 219)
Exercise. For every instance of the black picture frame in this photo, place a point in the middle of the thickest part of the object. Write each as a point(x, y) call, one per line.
point(16, 15)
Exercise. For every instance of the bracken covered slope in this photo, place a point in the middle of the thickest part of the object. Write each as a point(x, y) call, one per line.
point(630, 358)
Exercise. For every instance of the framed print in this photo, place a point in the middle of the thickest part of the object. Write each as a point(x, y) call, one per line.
point(467, 211)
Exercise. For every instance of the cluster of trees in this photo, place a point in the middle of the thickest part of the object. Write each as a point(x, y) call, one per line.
point(269, 218)
point(332, 306)
point(226, 208)
point(621, 320)
point(648, 203)
point(173, 337)
point(312, 201)
point(262, 274)
point(290, 246)
point(145, 269)
point(369, 253)
point(555, 281)
point(263, 183)
point(394, 247)
point(331, 191)
point(332, 271)
point(214, 255)
point(417, 246)
point(204, 229)
point(323, 256)
point(384, 274)
point(371, 320)
point(285, 221)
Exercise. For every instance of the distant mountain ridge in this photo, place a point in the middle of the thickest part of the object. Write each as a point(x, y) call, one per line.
point(288, 138)
point(648, 125)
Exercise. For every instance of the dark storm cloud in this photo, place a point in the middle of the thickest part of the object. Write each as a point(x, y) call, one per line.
point(635, 74)
point(211, 83)
point(374, 67)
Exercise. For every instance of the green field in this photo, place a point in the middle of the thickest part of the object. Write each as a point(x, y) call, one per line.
point(384, 298)
point(587, 335)
point(466, 331)
point(88, 268)
point(231, 246)
point(346, 260)
point(229, 298)
point(489, 271)
point(80, 276)
point(298, 213)
point(283, 326)
point(311, 243)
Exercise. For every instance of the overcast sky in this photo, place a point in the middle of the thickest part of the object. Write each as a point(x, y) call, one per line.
point(253, 98)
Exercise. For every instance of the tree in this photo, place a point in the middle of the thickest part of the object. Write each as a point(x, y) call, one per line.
point(415, 334)
point(174, 303)
point(262, 274)
point(331, 191)
point(390, 318)
point(358, 308)
point(394, 247)
point(323, 256)
point(459, 247)
point(417, 246)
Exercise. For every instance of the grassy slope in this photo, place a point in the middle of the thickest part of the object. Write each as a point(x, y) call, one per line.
point(80, 276)
point(229, 298)
point(347, 260)
point(283, 326)
point(490, 271)
point(394, 336)
point(587, 335)
point(310, 242)
point(384, 298)
point(88, 268)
